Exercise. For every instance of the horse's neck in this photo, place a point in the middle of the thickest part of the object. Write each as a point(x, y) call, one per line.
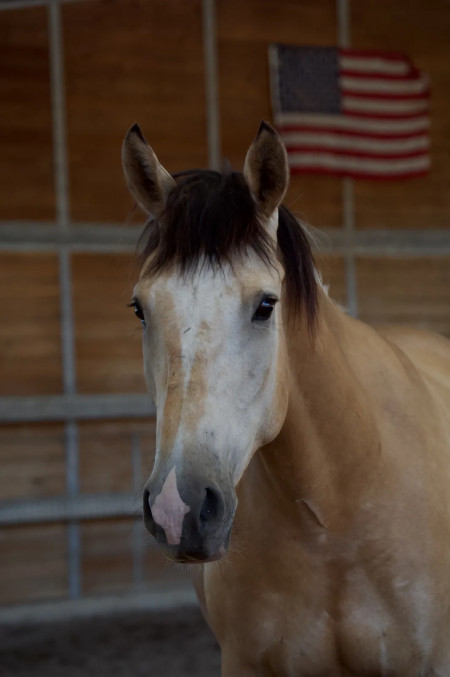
point(329, 443)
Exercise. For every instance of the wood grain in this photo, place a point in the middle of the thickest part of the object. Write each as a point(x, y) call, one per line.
point(408, 291)
point(32, 563)
point(107, 334)
point(332, 271)
point(421, 30)
point(105, 455)
point(106, 556)
point(126, 62)
point(32, 460)
point(30, 346)
point(26, 167)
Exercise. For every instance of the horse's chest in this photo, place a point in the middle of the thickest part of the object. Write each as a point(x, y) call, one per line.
point(316, 630)
point(315, 644)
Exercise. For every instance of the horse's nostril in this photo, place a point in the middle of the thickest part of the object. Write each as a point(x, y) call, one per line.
point(210, 507)
point(146, 505)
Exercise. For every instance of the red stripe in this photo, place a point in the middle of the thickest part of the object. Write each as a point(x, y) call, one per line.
point(374, 53)
point(380, 75)
point(363, 154)
point(360, 174)
point(388, 96)
point(351, 132)
point(382, 116)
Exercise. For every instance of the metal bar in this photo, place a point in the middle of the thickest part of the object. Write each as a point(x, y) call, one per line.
point(21, 4)
point(67, 322)
point(106, 237)
point(343, 23)
point(73, 528)
point(348, 208)
point(61, 182)
point(60, 164)
point(209, 30)
point(164, 597)
point(69, 508)
point(74, 407)
point(383, 242)
point(44, 236)
point(349, 232)
point(27, 4)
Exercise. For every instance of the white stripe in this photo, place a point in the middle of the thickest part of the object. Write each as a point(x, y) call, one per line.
point(336, 162)
point(353, 104)
point(330, 140)
point(374, 64)
point(348, 122)
point(380, 86)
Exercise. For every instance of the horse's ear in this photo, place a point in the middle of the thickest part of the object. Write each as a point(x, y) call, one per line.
point(148, 181)
point(266, 169)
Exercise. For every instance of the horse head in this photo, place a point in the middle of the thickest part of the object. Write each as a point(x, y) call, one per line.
point(219, 258)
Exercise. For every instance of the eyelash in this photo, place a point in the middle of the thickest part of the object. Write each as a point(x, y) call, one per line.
point(138, 311)
point(261, 314)
point(265, 309)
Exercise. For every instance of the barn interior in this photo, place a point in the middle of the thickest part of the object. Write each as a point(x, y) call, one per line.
point(77, 428)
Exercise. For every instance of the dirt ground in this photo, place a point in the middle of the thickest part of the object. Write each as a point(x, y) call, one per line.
point(152, 644)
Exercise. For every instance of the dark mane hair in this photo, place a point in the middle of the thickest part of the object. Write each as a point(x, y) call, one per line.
point(211, 217)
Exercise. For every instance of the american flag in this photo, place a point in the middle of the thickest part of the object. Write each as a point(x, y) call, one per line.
point(350, 112)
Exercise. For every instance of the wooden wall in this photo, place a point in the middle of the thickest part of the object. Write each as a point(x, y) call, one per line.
point(420, 29)
point(127, 60)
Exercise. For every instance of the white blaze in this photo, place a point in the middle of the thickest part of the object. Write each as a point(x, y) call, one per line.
point(168, 509)
point(214, 371)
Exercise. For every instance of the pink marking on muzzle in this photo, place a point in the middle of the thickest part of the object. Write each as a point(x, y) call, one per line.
point(168, 509)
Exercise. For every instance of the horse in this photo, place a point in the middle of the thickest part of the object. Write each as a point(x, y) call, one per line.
point(302, 464)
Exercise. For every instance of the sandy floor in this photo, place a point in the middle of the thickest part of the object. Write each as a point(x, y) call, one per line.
point(163, 644)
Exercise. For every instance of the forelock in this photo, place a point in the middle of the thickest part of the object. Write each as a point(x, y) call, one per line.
point(211, 218)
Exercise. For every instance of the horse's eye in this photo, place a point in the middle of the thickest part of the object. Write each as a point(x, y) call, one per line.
point(138, 310)
point(265, 309)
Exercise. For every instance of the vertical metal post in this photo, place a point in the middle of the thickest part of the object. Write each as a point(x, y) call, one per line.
point(348, 202)
point(209, 31)
point(138, 550)
point(61, 183)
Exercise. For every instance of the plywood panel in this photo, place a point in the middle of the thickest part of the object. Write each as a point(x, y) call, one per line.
point(30, 351)
point(32, 461)
point(105, 454)
point(413, 292)
point(420, 29)
point(128, 61)
point(245, 30)
point(107, 334)
point(26, 171)
point(106, 556)
point(332, 270)
point(32, 563)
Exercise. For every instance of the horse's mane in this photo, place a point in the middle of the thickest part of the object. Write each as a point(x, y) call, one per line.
point(211, 217)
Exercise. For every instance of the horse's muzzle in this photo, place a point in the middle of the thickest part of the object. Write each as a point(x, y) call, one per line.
point(192, 525)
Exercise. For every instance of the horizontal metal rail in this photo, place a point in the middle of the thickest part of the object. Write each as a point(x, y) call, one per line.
point(103, 237)
point(27, 4)
point(69, 508)
point(155, 598)
point(86, 237)
point(53, 408)
point(385, 242)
